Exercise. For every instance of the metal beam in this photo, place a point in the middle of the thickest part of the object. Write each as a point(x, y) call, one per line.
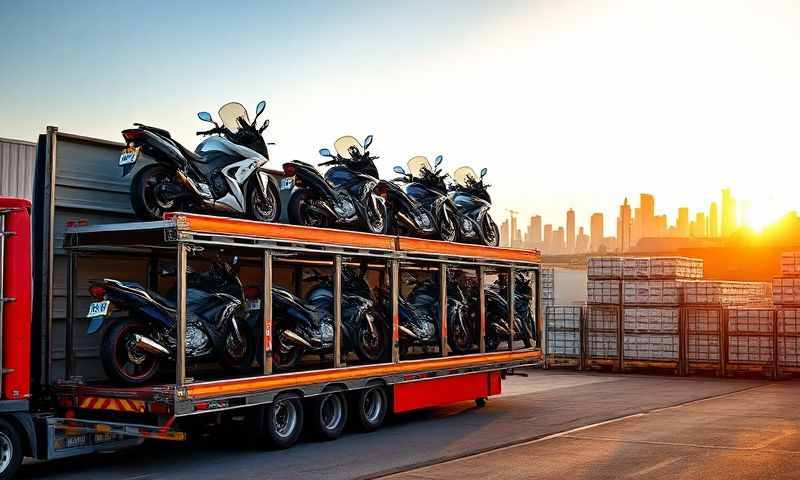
point(443, 307)
point(180, 316)
point(69, 327)
point(395, 293)
point(266, 359)
point(337, 312)
point(482, 309)
point(511, 306)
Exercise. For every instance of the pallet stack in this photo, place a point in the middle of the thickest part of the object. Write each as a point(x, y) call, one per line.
point(786, 297)
point(548, 288)
point(563, 326)
point(603, 312)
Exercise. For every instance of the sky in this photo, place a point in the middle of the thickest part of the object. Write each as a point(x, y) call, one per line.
point(569, 104)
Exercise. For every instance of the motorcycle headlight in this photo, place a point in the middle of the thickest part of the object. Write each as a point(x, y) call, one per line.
point(326, 332)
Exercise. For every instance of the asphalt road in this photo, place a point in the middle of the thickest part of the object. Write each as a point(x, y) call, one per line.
point(542, 404)
point(753, 434)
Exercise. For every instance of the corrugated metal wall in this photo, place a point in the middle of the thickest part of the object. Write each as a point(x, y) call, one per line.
point(17, 161)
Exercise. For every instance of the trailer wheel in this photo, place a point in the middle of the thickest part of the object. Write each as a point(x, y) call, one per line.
point(371, 406)
point(480, 402)
point(329, 415)
point(10, 450)
point(283, 422)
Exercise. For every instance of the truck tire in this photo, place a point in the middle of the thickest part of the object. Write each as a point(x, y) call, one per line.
point(370, 407)
point(283, 422)
point(329, 415)
point(10, 450)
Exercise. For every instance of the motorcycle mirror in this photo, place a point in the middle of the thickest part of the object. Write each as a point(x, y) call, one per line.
point(262, 105)
point(205, 116)
point(367, 142)
point(325, 152)
point(235, 260)
point(483, 172)
point(399, 170)
point(438, 161)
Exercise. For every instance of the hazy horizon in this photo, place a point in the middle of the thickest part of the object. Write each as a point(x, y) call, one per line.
point(569, 104)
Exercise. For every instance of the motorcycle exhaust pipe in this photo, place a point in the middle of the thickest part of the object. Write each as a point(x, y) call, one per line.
point(296, 339)
point(149, 345)
point(407, 220)
point(189, 183)
point(501, 329)
point(407, 332)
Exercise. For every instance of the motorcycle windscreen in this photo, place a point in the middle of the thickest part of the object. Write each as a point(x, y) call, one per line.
point(344, 144)
point(464, 176)
point(417, 164)
point(230, 114)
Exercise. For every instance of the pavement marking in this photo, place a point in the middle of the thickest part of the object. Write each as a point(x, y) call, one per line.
point(756, 448)
point(652, 468)
point(567, 433)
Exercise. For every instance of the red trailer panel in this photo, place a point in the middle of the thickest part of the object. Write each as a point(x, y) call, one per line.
point(442, 391)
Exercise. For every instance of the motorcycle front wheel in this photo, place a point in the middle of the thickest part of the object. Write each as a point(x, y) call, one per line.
point(490, 234)
point(302, 212)
point(146, 201)
point(122, 360)
point(237, 352)
point(284, 355)
point(377, 217)
point(460, 339)
point(261, 206)
point(372, 343)
point(448, 226)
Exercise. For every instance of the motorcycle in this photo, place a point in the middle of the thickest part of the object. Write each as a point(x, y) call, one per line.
point(427, 193)
point(225, 174)
point(425, 296)
point(471, 197)
point(133, 347)
point(345, 196)
point(497, 330)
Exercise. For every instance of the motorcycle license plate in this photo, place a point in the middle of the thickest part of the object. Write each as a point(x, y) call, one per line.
point(253, 305)
point(129, 156)
point(98, 309)
point(287, 183)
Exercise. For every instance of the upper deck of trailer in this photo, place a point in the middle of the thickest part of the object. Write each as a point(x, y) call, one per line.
point(230, 232)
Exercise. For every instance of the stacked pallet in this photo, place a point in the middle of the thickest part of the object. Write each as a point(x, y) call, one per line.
point(786, 297)
point(563, 327)
point(548, 288)
point(603, 310)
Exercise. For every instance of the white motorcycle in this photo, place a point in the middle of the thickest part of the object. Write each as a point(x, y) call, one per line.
point(224, 174)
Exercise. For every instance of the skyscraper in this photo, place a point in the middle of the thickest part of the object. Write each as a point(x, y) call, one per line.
point(505, 235)
point(698, 227)
point(559, 240)
point(535, 231)
point(713, 221)
point(570, 246)
point(683, 222)
point(728, 213)
point(624, 227)
point(596, 231)
point(547, 245)
point(647, 210)
point(514, 231)
point(581, 242)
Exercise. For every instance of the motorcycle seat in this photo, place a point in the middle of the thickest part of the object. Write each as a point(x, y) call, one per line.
point(159, 299)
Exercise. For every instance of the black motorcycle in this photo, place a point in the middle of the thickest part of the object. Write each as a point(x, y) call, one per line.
point(134, 346)
point(497, 327)
point(427, 191)
point(425, 296)
point(471, 197)
point(225, 174)
point(346, 196)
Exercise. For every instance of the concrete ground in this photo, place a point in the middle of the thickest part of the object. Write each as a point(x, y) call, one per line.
point(751, 426)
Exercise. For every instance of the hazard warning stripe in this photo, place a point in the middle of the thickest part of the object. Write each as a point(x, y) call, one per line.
point(114, 404)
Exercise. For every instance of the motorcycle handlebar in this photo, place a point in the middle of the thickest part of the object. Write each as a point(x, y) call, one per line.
point(210, 132)
point(329, 162)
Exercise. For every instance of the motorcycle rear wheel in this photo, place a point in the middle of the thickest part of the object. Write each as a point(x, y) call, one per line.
point(371, 346)
point(460, 339)
point(301, 213)
point(145, 201)
point(284, 357)
point(122, 361)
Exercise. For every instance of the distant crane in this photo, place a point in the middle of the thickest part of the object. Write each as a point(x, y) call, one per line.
point(511, 226)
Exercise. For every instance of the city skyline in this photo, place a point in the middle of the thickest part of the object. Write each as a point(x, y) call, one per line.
point(630, 225)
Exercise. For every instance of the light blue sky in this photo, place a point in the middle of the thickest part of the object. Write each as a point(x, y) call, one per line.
point(569, 103)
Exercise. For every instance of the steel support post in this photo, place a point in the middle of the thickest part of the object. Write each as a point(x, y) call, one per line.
point(69, 327)
point(482, 308)
point(2, 291)
point(775, 349)
point(395, 293)
point(443, 308)
point(511, 307)
point(621, 328)
point(337, 312)
point(266, 359)
point(180, 320)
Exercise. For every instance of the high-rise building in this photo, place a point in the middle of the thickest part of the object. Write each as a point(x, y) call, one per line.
point(505, 234)
point(559, 240)
point(647, 210)
point(683, 222)
point(581, 242)
point(728, 213)
point(636, 229)
point(533, 237)
point(624, 227)
point(547, 241)
point(570, 244)
point(596, 231)
point(713, 221)
point(514, 231)
point(698, 227)
point(660, 226)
